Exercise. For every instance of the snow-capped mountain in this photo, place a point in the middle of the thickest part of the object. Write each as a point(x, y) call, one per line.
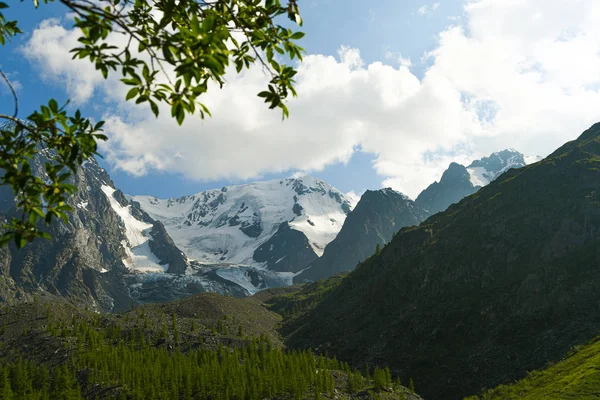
point(108, 253)
point(487, 169)
point(258, 224)
point(459, 181)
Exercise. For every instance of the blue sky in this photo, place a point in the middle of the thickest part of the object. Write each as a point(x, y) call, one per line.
point(426, 140)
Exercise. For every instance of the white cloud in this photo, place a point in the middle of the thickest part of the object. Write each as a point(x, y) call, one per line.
point(522, 74)
point(354, 197)
point(49, 48)
point(425, 9)
point(397, 57)
point(537, 62)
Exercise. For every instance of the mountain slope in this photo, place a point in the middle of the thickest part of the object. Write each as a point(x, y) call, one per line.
point(458, 181)
point(500, 283)
point(376, 218)
point(575, 377)
point(229, 225)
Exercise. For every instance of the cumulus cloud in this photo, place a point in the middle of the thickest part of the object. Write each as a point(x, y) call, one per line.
point(520, 74)
point(49, 48)
point(536, 63)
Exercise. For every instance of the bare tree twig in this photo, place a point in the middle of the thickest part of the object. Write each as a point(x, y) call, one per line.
point(12, 90)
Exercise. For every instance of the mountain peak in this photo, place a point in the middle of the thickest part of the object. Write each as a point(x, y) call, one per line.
point(388, 191)
point(487, 169)
point(591, 133)
point(459, 181)
point(376, 218)
point(454, 171)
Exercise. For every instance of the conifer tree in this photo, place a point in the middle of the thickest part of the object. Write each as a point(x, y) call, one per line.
point(411, 385)
point(6, 392)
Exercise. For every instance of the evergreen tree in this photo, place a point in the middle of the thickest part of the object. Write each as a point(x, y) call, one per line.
point(379, 379)
point(6, 392)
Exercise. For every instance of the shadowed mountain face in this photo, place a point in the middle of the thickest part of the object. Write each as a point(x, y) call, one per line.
point(500, 283)
point(377, 217)
point(454, 185)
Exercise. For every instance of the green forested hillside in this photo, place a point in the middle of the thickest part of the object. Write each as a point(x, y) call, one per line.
point(499, 284)
point(198, 348)
point(577, 377)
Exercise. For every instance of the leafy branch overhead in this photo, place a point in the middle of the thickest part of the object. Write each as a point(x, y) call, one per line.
point(170, 51)
point(176, 47)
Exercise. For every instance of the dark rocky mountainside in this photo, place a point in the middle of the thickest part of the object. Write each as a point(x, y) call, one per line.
point(376, 218)
point(503, 282)
point(454, 185)
point(288, 250)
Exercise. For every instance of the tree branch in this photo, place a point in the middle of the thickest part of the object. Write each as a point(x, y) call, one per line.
point(12, 90)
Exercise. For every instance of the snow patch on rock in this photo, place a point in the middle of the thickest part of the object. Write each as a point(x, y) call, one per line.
point(478, 176)
point(532, 159)
point(139, 256)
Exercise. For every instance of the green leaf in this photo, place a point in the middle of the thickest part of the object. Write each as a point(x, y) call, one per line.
point(132, 93)
point(20, 241)
point(154, 108)
point(5, 239)
point(53, 105)
point(44, 235)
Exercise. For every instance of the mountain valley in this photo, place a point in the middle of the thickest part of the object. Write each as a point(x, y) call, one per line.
point(452, 301)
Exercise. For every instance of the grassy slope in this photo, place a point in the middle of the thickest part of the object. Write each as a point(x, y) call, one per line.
point(576, 377)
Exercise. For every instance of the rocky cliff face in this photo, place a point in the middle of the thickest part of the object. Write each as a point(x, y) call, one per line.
point(377, 217)
point(498, 284)
point(107, 255)
point(73, 264)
